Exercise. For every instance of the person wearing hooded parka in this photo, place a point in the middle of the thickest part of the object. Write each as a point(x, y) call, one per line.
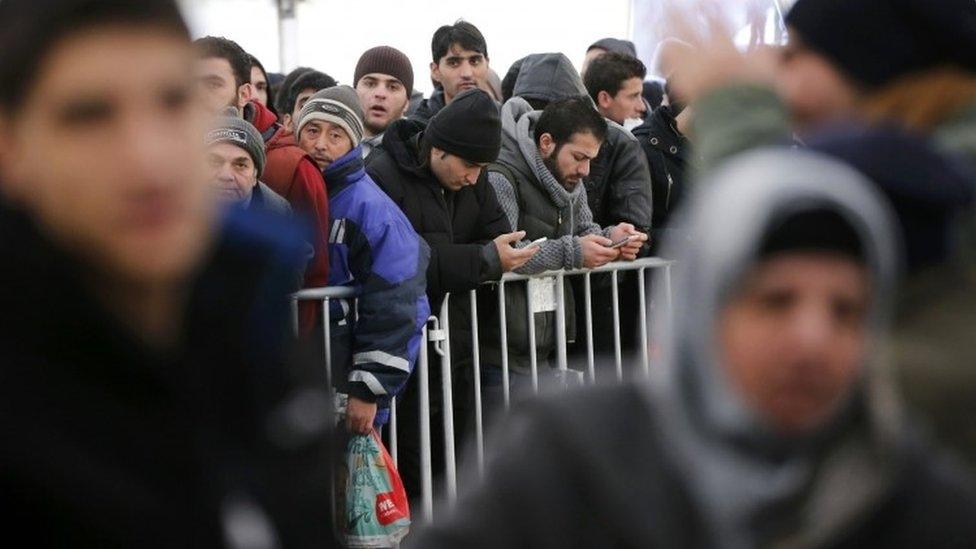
point(770, 418)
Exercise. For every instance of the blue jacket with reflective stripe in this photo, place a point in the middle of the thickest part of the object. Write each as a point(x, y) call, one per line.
point(373, 248)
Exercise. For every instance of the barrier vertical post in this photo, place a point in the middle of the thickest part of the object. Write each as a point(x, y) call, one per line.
point(476, 366)
point(533, 360)
point(503, 330)
point(426, 468)
point(327, 346)
point(560, 322)
point(616, 327)
point(450, 466)
point(588, 299)
point(642, 292)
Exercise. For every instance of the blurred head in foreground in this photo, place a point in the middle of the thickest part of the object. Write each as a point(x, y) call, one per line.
point(100, 132)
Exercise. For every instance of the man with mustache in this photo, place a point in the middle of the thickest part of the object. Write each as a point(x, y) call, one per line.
point(460, 63)
point(383, 80)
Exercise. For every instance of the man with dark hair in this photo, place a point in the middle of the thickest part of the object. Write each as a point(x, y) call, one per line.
point(615, 83)
point(259, 83)
point(145, 392)
point(281, 93)
point(459, 62)
point(435, 173)
point(375, 251)
point(236, 157)
point(223, 73)
point(384, 81)
point(538, 178)
point(607, 45)
point(293, 174)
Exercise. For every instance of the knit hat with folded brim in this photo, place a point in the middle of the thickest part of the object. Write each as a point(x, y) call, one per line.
point(469, 127)
point(338, 105)
point(240, 132)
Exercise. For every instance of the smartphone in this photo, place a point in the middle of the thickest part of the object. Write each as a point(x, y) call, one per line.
point(622, 241)
point(537, 241)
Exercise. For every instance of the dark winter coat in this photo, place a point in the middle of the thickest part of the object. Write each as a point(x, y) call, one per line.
point(588, 470)
point(458, 226)
point(666, 151)
point(106, 442)
point(429, 107)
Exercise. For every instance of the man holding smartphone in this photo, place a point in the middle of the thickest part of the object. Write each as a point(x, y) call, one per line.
point(544, 158)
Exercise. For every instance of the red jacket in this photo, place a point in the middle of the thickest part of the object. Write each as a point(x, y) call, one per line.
point(294, 175)
point(263, 119)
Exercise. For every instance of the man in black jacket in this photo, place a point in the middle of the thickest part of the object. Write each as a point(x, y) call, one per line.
point(146, 399)
point(436, 175)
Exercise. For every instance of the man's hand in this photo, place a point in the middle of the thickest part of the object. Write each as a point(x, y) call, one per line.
point(360, 416)
point(629, 251)
point(597, 251)
point(513, 258)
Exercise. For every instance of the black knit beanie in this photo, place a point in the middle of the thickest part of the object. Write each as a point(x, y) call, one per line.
point(817, 229)
point(469, 127)
point(877, 41)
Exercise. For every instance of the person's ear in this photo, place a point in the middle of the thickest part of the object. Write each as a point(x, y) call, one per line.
point(403, 113)
point(244, 94)
point(435, 73)
point(604, 99)
point(546, 145)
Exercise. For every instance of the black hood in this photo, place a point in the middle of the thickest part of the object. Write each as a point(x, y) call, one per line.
point(402, 140)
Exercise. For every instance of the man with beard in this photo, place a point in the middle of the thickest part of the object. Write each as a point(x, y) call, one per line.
point(544, 158)
point(383, 80)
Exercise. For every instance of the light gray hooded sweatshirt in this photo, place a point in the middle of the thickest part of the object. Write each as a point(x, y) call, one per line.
point(825, 479)
point(520, 154)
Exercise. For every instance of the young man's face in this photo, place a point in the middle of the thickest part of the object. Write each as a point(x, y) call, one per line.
point(232, 172)
point(325, 142)
point(453, 172)
point(812, 88)
point(459, 70)
point(384, 100)
point(259, 86)
point(291, 120)
point(628, 103)
point(106, 153)
point(569, 162)
point(215, 78)
point(793, 339)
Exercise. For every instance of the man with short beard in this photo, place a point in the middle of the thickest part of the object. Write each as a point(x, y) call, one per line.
point(383, 80)
point(223, 73)
point(460, 63)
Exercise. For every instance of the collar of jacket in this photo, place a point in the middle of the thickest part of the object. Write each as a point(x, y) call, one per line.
point(344, 171)
point(662, 132)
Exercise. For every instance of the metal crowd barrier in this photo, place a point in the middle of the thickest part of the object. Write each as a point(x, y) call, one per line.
point(437, 333)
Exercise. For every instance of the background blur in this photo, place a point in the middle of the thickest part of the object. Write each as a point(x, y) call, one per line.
point(330, 35)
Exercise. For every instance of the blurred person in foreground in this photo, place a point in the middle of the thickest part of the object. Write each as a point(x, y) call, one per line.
point(870, 67)
point(771, 421)
point(147, 395)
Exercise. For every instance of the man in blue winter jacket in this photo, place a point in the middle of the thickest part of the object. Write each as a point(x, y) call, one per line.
point(373, 248)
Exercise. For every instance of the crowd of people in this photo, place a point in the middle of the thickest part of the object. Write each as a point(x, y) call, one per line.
point(162, 200)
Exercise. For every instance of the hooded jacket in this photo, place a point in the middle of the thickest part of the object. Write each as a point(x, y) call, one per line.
point(681, 461)
point(619, 185)
point(294, 175)
point(458, 226)
point(374, 249)
point(108, 442)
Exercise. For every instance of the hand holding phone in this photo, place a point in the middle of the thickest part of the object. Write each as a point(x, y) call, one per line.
point(621, 242)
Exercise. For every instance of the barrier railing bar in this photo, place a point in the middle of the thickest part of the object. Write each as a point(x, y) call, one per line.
point(533, 360)
point(393, 432)
point(327, 347)
point(426, 467)
point(504, 342)
point(615, 266)
point(590, 361)
point(642, 293)
point(618, 360)
point(447, 389)
point(561, 362)
point(476, 365)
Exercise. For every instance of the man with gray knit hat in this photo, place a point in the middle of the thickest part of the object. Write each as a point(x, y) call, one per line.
point(236, 158)
point(373, 249)
point(384, 82)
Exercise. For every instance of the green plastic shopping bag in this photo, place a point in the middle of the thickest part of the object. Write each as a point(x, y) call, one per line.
point(372, 509)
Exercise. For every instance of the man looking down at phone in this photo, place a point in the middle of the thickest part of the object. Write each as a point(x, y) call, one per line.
point(544, 158)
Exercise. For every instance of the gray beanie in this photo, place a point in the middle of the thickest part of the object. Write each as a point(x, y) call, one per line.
point(240, 132)
point(338, 105)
